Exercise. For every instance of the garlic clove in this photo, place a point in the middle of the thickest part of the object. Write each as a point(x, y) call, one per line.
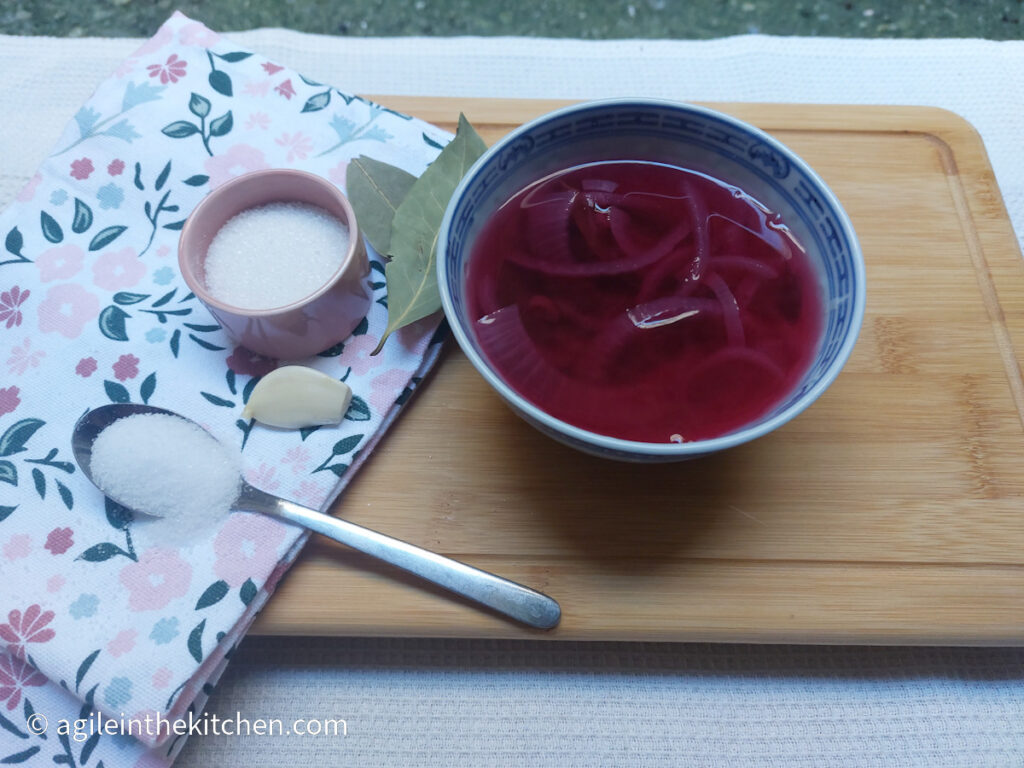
point(295, 396)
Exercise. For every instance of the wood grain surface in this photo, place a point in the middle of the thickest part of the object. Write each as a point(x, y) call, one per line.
point(889, 512)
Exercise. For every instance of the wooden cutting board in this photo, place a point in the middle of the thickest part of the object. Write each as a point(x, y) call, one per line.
point(892, 511)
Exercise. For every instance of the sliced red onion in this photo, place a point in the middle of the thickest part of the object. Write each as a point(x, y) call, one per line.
point(746, 264)
point(671, 309)
point(756, 359)
point(768, 235)
point(699, 212)
point(624, 231)
point(598, 185)
point(517, 358)
point(730, 309)
point(546, 223)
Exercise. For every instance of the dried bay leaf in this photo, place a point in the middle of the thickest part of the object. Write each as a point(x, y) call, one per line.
point(411, 274)
point(375, 190)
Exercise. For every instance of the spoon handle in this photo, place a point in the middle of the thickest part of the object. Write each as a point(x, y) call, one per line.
point(504, 596)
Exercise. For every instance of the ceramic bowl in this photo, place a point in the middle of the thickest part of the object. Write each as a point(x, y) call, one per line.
point(687, 136)
point(302, 328)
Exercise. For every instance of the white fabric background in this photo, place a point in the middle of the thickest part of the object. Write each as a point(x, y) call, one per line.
point(488, 703)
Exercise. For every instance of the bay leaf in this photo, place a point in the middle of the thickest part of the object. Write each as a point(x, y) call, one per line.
point(411, 274)
point(375, 190)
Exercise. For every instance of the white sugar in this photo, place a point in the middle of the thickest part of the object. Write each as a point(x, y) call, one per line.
point(168, 467)
point(274, 255)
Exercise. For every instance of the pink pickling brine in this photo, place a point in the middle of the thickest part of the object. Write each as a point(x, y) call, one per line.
point(644, 301)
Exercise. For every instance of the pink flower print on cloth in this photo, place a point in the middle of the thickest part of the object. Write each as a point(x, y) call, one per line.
point(298, 458)
point(170, 71)
point(126, 367)
point(16, 675)
point(239, 159)
point(26, 627)
point(339, 174)
point(298, 145)
point(9, 399)
point(18, 547)
point(159, 576)
point(24, 358)
point(10, 306)
point(82, 168)
point(66, 310)
point(122, 643)
point(356, 354)
point(86, 367)
point(60, 263)
point(259, 120)
point(286, 89)
point(117, 270)
point(246, 547)
point(60, 540)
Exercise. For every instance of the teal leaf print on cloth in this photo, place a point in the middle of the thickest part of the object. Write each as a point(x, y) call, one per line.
point(200, 106)
point(9, 475)
point(13, 244)
point(112, 323)
point(247, 592)
point(120, 519)
point(213, 594)
point(167, 309)
point(348, 131)
point(20, 757)
point(195, 641)
point(140, 93)
point(317, 102)
point(83, 668)
point(14, 442)
point(83, 217)
point(105, 237)
point(220, 80)
point(15, 438)
point(88, 119)
point(51, 229)
point(123, 130)
point(154, 210)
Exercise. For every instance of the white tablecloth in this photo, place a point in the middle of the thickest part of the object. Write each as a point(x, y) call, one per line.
point(489, 703)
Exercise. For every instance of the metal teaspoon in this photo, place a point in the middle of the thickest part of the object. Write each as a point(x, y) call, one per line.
point(506, 597)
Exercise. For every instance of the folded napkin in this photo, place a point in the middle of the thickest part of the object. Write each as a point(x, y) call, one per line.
point(95, 613)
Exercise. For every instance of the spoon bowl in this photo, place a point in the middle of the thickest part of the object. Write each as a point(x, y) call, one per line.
point(506, 597)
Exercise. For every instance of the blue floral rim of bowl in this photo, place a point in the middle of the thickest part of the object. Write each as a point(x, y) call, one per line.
point(718, 140)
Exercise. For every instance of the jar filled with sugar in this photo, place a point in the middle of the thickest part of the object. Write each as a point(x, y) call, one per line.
point(277, 258)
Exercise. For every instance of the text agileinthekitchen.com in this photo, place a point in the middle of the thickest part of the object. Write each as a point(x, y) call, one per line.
point(155, 725)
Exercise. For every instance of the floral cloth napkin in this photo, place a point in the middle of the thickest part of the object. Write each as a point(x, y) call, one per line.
point(95, 615)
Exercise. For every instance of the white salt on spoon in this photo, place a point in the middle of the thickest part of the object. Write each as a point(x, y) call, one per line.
point(274, 255)
point(169, 468)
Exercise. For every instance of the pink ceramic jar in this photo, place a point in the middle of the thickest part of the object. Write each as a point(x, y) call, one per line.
point(302, 328)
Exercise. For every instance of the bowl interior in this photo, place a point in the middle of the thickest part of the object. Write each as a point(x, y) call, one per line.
point(249, 191)
point(689, 137)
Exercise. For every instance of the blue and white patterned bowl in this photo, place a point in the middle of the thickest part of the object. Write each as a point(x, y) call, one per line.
point(690, 137)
